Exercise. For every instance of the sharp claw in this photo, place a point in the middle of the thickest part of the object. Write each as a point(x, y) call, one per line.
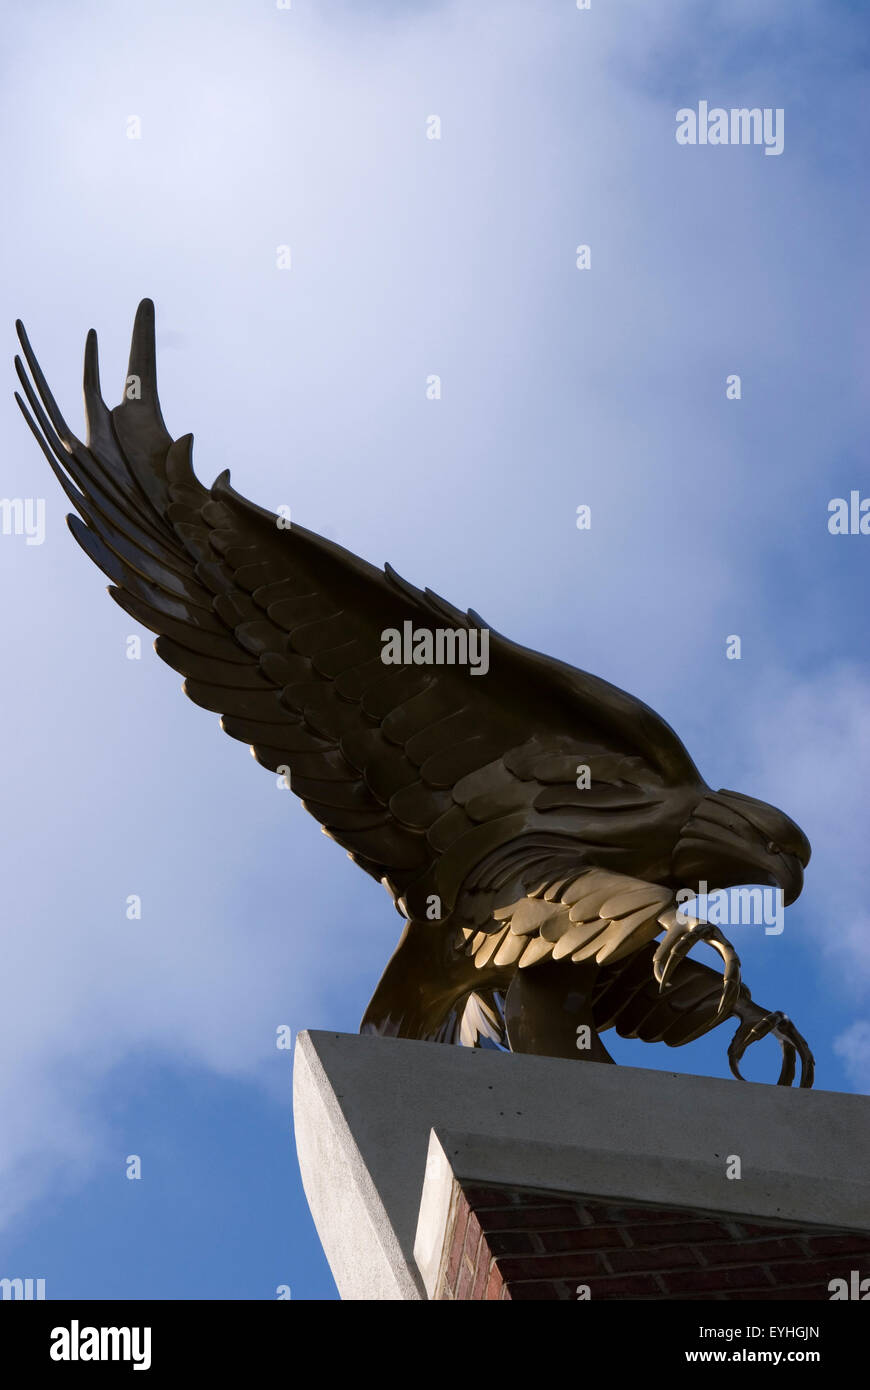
point(792, 1039)
point(731, 985)
point(736, 1049)
point(787, 1070)
point(679, 940)
point(665, 948)
point(671, 963)
point(789, 1039)
point(730, 995)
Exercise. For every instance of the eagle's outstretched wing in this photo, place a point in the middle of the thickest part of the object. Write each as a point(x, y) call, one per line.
point(423, 773)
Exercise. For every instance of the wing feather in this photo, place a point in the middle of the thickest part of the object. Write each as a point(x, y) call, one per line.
point(432, 779)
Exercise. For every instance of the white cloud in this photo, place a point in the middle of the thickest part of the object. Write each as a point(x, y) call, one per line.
point(854, 1047)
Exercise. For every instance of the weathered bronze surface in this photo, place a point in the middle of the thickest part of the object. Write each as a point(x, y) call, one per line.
point(531, 822)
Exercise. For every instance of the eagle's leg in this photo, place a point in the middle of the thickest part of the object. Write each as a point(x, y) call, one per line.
point(681, 934)
point(548, 1011)
point(627, 998)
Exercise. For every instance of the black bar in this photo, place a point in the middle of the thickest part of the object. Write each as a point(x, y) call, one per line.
point(223, 1337)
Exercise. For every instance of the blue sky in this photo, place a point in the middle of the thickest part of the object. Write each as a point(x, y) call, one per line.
point(306, 127)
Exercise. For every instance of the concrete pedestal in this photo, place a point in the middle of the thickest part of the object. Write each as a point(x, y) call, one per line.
point(445, 1172)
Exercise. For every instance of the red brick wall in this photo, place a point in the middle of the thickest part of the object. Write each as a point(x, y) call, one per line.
point(512, 1243)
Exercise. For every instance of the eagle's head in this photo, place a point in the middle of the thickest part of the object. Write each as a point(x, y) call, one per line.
point(732, 839)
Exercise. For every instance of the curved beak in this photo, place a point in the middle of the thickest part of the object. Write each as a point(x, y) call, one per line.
point(791, 881)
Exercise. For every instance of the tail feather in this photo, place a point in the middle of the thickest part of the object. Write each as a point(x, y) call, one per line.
point(482, 1023)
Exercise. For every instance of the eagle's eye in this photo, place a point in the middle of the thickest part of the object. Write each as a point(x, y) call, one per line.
point(772, 848)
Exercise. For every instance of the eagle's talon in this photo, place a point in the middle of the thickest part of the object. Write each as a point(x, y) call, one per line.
point(679, 939)
point(793, 1045)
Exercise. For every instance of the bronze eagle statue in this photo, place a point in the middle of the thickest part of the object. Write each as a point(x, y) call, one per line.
point(533, 824)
